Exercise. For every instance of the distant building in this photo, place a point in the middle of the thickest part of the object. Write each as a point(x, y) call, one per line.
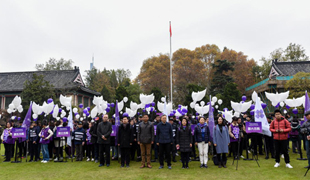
point(280, 73)
point(68, 81)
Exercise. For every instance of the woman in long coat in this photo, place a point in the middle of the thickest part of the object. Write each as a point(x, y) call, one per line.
point(184, 142)
point(221, 141)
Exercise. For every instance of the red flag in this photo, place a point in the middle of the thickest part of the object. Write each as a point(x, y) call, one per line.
point(170, 30)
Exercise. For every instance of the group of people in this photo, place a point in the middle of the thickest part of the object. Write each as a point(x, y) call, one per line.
point(165, 136)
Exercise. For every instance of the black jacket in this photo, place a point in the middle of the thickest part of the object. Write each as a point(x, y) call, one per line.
point(124, 136)
point(184, 139)
point(197, 133)
point(93, 133)
point(164, 133)
point(146, 133)
point(104, 129)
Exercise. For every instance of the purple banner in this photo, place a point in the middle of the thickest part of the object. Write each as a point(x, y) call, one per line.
point(63, 132)
point(193, 128)
point(155, 127)
point(113, 133)
point(253, 127)
point(18, 132)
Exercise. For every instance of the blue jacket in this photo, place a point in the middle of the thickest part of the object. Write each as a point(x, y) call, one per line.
point(79, 136)
point(197, 133)
point(164, 133)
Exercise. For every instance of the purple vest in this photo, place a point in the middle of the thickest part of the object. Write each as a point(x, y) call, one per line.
point(6, 138)
point(88, 137)
point(235, 131)
point(45, 134)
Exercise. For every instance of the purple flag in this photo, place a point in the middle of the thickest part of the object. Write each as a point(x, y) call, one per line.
point(113, 133)
point(117, 121)
point(211, 120)
point(193, 128)
point(307, 105)
point(27, 120)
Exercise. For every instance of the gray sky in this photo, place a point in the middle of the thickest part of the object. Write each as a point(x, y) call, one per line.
point(122, 34)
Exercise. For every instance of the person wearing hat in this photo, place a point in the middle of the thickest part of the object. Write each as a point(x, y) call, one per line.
point(305, 129)
point(79, 136)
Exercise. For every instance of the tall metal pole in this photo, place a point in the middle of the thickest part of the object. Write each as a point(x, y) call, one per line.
point(170, 65)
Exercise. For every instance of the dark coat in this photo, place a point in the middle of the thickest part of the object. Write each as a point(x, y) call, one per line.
point(104, 129)
point(184, 139)
point(93, 133)
point(124, 136)
point(164, 133)
point(133, 131)
point(146, 133)
point(197, 133)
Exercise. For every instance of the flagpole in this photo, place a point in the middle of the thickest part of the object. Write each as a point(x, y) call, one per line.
point(170, 66)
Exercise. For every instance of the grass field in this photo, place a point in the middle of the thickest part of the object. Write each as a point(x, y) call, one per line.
point(90, 170)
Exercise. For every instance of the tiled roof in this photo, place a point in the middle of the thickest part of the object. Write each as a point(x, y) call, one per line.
point(291, 68)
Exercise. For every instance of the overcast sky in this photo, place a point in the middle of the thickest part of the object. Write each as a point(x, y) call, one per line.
point(122, 34)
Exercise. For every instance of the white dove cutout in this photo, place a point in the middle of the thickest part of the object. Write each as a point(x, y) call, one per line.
point(197, 96)
point(228, 115)
point(295, 102)
point(146, 99)
point(202, 109)
point(241, 107)
point(160, 107)
point(278, 97)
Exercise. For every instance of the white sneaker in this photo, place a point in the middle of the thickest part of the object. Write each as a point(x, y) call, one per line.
point(88, 159)
point(45, 161)
point(42, 161)
point(242, 157)
point(56, 159)
point(277, 165)
point(92, 159)
point(282, 156)
point(288, 166)
point(249, 151)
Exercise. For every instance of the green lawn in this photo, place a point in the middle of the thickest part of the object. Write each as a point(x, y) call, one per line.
point(90, 170)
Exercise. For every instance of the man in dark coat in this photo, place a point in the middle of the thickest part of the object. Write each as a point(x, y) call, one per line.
point(104, 131)
point(164, 139)
point(145, 140)
point(93, 133)
point(125, 139)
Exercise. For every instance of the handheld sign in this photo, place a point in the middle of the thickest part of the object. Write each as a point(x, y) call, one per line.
point(18, 133)
point(253, 127)
point(63, 132)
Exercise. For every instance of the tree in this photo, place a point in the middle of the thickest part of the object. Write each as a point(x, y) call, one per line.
point(90, 77)
point(231, 93)
point(186, 69)
point(106, 94)
point(120, 93)
point(53, 64)
point(295, 52)
point(298, 84)
point(155, 72)
point(37, 90)
point(134, 92)
point(220, 79)
point(123, 76)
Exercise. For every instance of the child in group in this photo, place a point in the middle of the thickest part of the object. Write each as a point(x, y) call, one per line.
point(89, 146)
point(79, 136)
point(33, 136)
point(202, 139)
point(45, 135)
point(8, 142)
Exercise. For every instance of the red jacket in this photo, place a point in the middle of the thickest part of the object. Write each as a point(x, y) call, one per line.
point(280, 124)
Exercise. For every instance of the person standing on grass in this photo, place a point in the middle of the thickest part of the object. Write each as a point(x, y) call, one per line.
point(8, 142)
point(89, 145)
point(79, 136)
point(164, 139)
point(202, 140)
point(145, 140)
point(45, 135)
point(94, 137)
point(184, 142)
point(104, 132)
point(234, 136)
point(125, 139)
point(280, 127)
point(305, 129)
point(33, 136)
point(59, 143)
point(221, 141)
